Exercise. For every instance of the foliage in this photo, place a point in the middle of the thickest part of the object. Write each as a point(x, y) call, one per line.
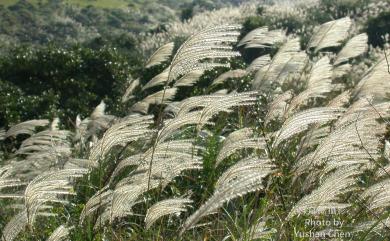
point(52, 81)
point(204, 144)
point(19, 106)
point(378, 28)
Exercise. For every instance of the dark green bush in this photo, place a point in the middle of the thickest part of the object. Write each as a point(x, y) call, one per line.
point(342, 8)
point(377, 28)
point(252, 23)
point(17, 106)
point(187, 13)
point(53, 81)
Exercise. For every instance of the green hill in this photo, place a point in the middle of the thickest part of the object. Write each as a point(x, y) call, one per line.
point(119, 4)
point(79, 21)
point(83, 3)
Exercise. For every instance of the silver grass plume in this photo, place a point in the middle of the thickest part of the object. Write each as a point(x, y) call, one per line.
point(315, 135)
point(46, 145)
point(2, 134)
point(166, 207)
point(244, 167)
point(364, 108)
point(236, 73)
point(257, 231)
point(325, 197)
point(356, 144)
point(55, 124)
point(49, 187)
point(163, 172)
point(98, 121)
point(165, 165)
point(172, 108)
point(386, 154)
point(130, 128)
point(16, 225)
point(99, 110)
point(226, 104)
point(7, 180)
point(81, 129)
point(278, 106)
point(193, 103)
point(288, 61)
point(196, 102)
point(165, 169)
point(262, 38)
point(128, 190)
point(27, 127)
point(237, 140)
point(355, 140)
point(174, 125)
point(74, 163)
point(319, 83)
point(301, 121)
point(376, 82)
point(170, 159)
point(256, 33)
point(341, 70)
point(164, 151)
point(42, 151)
point(221, 92)
point(60, 234)
point(130, 89)
point(358, 108)
point(158, 80)
point(244, 177)
point(44, 141)
point(318, 132)
point(161, 55)
point(206, 107)
point(155, 98)
point(378, 195)
point(373, 226)
point(120, 203)
point(259, 63)
point(189, 79)
point(355, 47)
point(330, 34)
point(271, 38)
point(211, 43)
point(341, 100)
point(100, 199)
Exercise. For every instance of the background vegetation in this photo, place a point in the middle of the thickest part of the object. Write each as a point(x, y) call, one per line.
point(60, 59)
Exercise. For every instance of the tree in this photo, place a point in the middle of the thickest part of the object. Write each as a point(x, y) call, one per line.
point(59, 81)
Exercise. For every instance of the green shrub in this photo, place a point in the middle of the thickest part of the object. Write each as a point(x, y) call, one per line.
point(71, 80)
point(377, 28)
point(17, 106)
point(252, 23)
